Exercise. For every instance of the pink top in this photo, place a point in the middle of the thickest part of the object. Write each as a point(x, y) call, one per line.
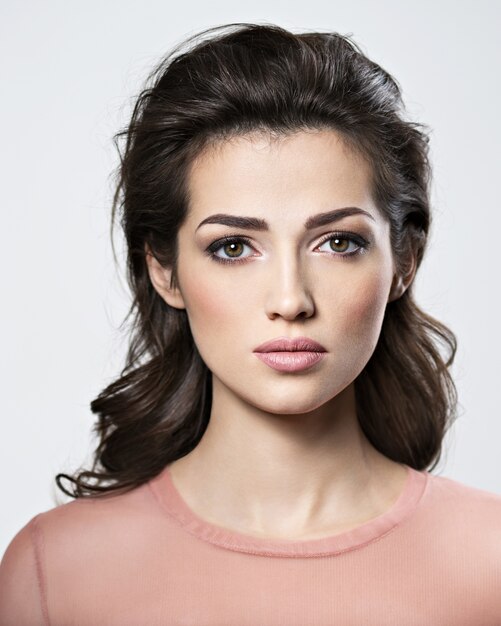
point(144, 558)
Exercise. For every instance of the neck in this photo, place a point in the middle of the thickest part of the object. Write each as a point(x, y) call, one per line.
point(291, 476)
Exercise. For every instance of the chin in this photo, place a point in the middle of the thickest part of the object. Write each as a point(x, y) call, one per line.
point(293, 402)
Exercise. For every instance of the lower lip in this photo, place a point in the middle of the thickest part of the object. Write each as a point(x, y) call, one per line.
point(290, 361)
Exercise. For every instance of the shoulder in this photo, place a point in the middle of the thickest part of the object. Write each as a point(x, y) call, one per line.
point(455, 494)
point(59, 547)
point(468, 514)
point(75, 531)
point(21, 596)
point(88, 525)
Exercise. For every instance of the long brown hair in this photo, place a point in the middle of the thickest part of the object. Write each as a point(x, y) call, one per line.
point(230, 80)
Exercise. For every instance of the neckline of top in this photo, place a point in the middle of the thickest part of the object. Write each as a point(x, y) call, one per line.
point(172, 503)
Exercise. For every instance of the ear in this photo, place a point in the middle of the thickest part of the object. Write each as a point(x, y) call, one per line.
point(401, 282)
point(160, 278)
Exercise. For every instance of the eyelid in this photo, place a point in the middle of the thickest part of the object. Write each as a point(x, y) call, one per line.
point(347, 234)
point(219, 243)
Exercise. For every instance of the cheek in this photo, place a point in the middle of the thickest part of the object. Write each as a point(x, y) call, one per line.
point(212, 309)
point(360, 310)
point(369, 303)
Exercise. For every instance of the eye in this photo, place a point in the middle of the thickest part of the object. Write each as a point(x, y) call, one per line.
point(345, 244)
point(231, 246)
point(341, 244)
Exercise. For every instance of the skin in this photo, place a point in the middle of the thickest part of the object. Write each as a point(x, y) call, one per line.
point(283, 455)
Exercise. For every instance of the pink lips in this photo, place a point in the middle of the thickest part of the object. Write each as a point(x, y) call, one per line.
point(290, 354)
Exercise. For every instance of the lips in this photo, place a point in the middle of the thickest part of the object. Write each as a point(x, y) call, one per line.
point(288, 344)
point(287, 354)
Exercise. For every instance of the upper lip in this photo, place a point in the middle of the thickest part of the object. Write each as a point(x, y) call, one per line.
point(290, 344)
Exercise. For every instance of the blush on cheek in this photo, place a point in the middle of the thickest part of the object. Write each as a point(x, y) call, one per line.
point(364, 310)
point(212, 313)
point(206, 301)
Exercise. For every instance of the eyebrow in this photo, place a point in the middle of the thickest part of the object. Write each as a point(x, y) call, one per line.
point(256, 223)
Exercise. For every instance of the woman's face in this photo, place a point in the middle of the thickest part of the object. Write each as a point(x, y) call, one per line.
point(329, 281)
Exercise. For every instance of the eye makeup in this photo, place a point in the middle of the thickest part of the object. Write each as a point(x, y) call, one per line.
point(226, 241)
point(361, 243)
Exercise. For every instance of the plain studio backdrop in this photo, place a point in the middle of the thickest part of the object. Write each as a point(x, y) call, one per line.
point(70, 72)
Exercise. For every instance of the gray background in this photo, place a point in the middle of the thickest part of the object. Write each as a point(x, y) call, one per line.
point(69, 73)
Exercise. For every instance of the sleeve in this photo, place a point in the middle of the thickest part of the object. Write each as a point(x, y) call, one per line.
point(21, 583)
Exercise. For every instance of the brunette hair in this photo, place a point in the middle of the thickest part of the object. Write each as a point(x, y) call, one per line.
point(231, 80)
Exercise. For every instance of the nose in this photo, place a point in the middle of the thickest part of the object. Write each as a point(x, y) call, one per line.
point(288, 295)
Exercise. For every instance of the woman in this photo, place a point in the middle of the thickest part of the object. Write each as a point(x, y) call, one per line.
point(265, 454)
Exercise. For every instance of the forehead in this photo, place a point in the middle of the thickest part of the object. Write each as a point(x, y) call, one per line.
point(286, 175)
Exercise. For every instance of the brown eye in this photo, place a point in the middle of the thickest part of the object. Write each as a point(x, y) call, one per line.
point(338, 244)
point(345, 245)
point(233, 249)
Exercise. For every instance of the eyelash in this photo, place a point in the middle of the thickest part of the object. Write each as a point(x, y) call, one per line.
point(357, 239)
